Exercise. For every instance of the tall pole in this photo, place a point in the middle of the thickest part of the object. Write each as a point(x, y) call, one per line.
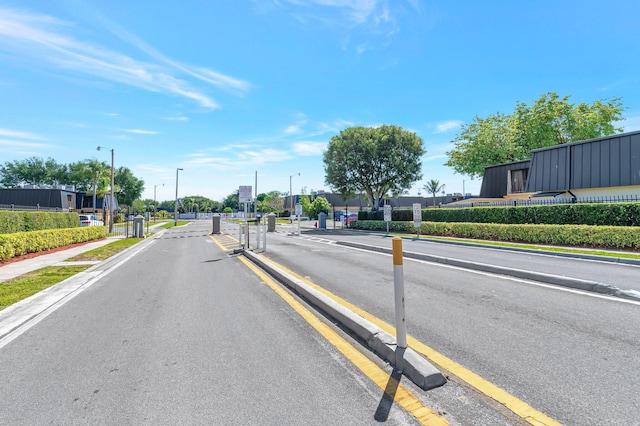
point(175, 206)
point(154, 200)
point(111, 201)
point(111, 196)
point(291, 193)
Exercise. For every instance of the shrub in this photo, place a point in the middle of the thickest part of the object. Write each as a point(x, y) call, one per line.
point(19, 243)
point(23, 221)
point(600, 214)
point(580, 235)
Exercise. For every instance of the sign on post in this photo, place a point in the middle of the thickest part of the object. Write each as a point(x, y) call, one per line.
point(298, 214)
point(417, 215)
point(387, 215)
point(244, 194)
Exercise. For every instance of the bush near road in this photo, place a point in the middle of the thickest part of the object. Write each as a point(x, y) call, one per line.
point(599, 214)
point(24, 221)
point(20, 243)
point(614, 237)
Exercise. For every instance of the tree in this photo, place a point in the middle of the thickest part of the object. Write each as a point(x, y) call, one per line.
point(549, 121)
point(320, 205)
point(273, 202)
point(232, 200)
point(375, 161)
point(433, 187)
point(31, 171)
point(127, 187)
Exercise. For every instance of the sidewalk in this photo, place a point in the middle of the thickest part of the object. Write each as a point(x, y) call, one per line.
point(15, 269)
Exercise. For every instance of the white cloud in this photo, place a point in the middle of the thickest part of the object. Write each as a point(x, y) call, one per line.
point(178, 118)
point(309, 148)
point(140, 131)
point(18, 134)
point(44, 41)
point(293, 129)
point(631, 123)
point(447, 126)
point(364, 24)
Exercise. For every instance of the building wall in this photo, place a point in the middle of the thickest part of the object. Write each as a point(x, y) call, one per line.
point(612, 161)
point(494, 180)
point(44, 198)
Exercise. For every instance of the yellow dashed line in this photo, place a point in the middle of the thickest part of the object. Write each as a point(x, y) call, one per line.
point(402, 396)
point(224, 241)
point(518, 407)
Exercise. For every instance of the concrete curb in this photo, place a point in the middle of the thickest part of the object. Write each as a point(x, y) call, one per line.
point(586, 285)
point(414, 366)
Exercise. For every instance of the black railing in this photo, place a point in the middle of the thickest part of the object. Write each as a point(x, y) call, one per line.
point(546, 201)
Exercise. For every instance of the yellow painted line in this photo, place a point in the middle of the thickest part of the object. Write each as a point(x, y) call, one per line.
point(402, 395)
point(517, 406)
point(230, 244)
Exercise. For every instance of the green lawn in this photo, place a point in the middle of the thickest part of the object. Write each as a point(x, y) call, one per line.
point(26, 285)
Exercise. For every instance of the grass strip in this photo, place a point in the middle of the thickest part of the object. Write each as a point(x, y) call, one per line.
point(26, 285)
point(540, 248)
point(172, 224)
point(106, 251)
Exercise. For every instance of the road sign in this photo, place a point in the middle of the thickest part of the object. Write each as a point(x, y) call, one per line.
point(298, 210)
point(244, 195)
point(417, 215)
point(387, 213)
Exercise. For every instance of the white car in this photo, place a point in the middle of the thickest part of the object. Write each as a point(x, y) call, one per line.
point(90, 220)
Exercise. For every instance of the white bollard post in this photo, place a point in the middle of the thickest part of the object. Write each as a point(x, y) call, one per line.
point(240, 236)
point(257, 234)
point(398, 289)
point(264, 244)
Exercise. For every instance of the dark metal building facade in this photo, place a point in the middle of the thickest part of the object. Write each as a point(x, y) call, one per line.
point(610, 161)
point(606, 162)
point(57, 199)
point(495, 181)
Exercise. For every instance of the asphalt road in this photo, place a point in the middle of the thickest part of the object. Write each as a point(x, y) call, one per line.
point(620, 275)
point(569, 354)
point(182, 333)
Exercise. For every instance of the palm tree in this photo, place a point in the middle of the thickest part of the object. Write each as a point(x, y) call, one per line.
point(97, 170)
point(433, 187)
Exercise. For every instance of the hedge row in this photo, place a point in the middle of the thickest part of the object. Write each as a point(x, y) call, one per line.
point(572, 235)
point(611, 214)
point(24, 221)
point(19, 243)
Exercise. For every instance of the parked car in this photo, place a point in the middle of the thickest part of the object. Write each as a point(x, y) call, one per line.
point(352, 217)
point(90, 220)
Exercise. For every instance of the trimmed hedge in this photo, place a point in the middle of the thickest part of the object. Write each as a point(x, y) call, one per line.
point(19, 243)
point(599, 214)
point(25, 221)
point(618, 237)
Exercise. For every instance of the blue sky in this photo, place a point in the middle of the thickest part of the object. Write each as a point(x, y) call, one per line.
point(228, 88)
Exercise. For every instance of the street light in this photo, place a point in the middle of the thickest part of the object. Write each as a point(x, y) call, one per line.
point(111, 196)
point(291, 193)
point(154, 200)
point(175, 207)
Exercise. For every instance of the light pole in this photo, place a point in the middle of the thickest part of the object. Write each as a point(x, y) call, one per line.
point(175, 207)
point(154, 200)
point(291, 193)
point(111, 196)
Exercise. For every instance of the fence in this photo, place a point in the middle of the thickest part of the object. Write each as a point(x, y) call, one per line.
point(546, 201)
point(37, 207)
